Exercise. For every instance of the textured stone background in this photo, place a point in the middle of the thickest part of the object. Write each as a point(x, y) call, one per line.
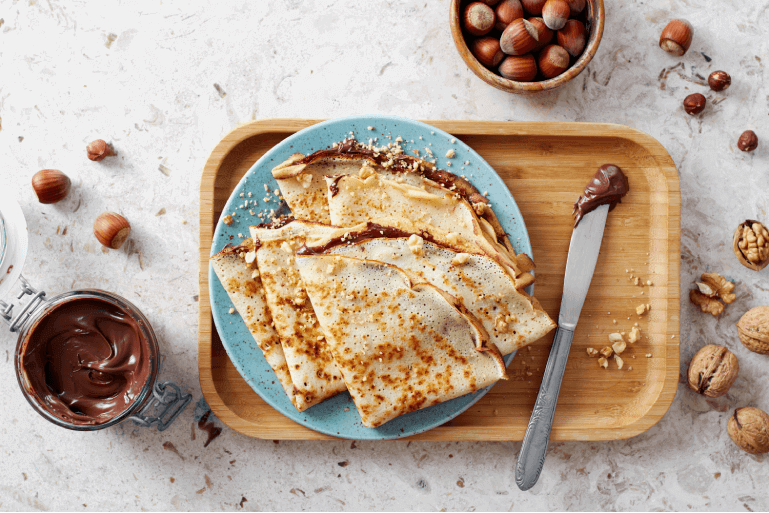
point(142, 74)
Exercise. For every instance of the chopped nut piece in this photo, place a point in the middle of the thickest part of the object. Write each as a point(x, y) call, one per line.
point(636, 281)
point(415, 243)
point(606, 352)
point(635, 335)
point(619, 361)
point(615, 337)
point(603, 362)
point(648, 355)
point(460, 259)
point(648, 283)
point(451, 154)
point(618, 347)
point(250, 257)
point(720, 286)
point(227, 219)
point(707, 304)
point(232, 310)
point(255, 274)
point(640, 309)
point(592, 352)
point(286, 247)
point(305, 179)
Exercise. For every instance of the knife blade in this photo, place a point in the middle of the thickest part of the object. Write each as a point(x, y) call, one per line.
point(580, 265)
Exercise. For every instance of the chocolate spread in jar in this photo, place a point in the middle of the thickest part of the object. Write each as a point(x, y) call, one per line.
point(607, 187)
point(85, 361)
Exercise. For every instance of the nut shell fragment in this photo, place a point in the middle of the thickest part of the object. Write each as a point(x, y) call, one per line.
point(751, 245)
point(713, 371)
point(753, 329)
point(749, 429)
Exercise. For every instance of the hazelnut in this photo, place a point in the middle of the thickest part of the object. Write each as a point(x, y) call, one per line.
point(694, 104)
point(749, 429)
point(518, 38)
point(507, 11)
point(713, 370)
point(573, 37)
point(719, 80)
point(751, 245)
point(478, 18)
point(753, 329)
point(487, 51)
point(676, 37)
point(553, 60)
point(51, 185)
point(533, 7)
point(748, 141)
point(521, 68)
point(576, 6)
point(99, 149)
point(555, 13)
point(111, 229)
point(544, 34)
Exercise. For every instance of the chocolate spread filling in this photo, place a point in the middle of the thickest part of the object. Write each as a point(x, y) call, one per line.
point(86, 361)
point(334, 185)
point(607, 187)
point(372, 231)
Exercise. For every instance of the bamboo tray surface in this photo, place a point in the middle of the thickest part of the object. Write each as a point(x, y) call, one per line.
point(546, 166)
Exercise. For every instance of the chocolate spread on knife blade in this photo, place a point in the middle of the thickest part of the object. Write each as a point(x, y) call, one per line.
point(86, 361)
point(607, 187)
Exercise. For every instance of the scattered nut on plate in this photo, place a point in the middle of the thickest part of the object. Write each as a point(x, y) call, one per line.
point(749, 429)
point(713, 371)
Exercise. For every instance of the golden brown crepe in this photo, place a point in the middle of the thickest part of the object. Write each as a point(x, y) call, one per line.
point(400, 345)
point(483, 285)
point(244, 287)
point(313, 372)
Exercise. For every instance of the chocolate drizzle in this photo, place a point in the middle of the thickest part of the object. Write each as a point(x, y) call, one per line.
point(334, 185)
point(372, 231)
point(86, 361)
point(607, 187)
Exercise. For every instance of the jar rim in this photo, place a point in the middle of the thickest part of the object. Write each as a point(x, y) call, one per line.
point(123, 304)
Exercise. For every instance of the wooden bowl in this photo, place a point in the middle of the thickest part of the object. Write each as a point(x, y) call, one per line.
point(595, 14)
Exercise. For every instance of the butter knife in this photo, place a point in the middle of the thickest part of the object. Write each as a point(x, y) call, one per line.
point(580, 265)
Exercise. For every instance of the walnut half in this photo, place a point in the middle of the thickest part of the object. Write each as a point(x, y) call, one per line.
point(751, 245)
point(711, 288)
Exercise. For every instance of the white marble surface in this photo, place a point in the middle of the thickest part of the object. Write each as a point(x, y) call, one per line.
point(151, 92)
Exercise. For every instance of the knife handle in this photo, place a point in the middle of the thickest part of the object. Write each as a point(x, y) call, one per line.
point(534, 447)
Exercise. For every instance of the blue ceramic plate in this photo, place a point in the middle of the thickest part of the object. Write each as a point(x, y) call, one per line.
point(338, 416)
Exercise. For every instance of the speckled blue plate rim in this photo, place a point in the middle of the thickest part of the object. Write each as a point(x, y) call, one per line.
point(338, 416)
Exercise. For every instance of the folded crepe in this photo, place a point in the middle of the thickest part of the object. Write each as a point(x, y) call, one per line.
point(510, 316)
point(445, 216)
point(301, 179)
point(313, 372)
point(401, 345)
point(236, 269)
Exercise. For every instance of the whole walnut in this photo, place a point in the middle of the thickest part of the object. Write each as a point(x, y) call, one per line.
point(749, 429)
point(713, 370)
point(753, 328)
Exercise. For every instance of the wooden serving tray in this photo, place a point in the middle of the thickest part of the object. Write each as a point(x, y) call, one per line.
point(546, 166)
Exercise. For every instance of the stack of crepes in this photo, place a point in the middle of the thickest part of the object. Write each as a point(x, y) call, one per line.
point(392, 279)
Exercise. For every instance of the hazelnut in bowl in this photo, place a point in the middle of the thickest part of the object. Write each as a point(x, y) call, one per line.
point(527, 46)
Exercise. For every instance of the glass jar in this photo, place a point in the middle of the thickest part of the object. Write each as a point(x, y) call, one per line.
point(28, 312)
